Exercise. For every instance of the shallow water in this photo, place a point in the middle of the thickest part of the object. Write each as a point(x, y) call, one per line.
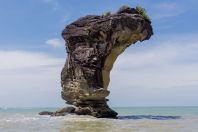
point(142, 119)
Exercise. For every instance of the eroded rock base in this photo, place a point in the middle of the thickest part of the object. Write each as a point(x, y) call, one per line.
point(97, 111)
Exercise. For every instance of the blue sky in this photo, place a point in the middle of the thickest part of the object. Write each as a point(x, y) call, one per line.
point(159, 72)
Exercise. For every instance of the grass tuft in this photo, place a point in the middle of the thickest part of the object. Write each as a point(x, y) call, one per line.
point(142, 12)
point(106, 13)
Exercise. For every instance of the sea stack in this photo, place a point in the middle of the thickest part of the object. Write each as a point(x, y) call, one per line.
point(93, 43)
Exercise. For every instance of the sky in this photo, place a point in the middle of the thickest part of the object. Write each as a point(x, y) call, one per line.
point(160, 72)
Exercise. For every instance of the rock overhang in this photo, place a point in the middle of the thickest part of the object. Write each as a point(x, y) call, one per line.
point(93, 44)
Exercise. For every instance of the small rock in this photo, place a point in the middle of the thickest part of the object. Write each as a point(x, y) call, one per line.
point(46, 113)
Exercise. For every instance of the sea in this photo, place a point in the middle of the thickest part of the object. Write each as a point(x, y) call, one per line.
point(130, 119)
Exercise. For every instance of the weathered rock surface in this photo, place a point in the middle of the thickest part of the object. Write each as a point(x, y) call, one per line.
point(93, 43)
point(66, 110)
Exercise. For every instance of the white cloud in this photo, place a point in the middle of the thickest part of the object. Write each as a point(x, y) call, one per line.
point(55, 42)
point(167, 6)
point(11, 60)
point(30, 79)
point(166, 10)
point(153, 75)
point(164, 73)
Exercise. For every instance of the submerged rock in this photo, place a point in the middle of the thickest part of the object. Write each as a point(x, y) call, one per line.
point(61, 112)
point(93, 43)
point(46, 113)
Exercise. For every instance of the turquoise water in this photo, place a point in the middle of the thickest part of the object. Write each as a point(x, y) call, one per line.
point(177, 111)
point(131, 119)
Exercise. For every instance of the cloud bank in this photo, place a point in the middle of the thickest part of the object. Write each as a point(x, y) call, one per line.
point(29, 79)
point(162, 74)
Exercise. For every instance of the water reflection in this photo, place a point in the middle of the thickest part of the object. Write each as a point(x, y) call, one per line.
point(158, 117)
point(91, 125)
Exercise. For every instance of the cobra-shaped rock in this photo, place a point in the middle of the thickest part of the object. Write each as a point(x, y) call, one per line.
point(93, 43)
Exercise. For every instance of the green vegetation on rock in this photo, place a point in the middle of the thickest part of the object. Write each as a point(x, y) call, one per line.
point(106, 13)
point(142, 12)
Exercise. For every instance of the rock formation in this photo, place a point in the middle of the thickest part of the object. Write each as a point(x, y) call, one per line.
point(93, 43)
point(60, 112)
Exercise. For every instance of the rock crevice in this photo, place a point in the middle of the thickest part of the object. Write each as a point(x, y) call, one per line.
point(93, 44)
